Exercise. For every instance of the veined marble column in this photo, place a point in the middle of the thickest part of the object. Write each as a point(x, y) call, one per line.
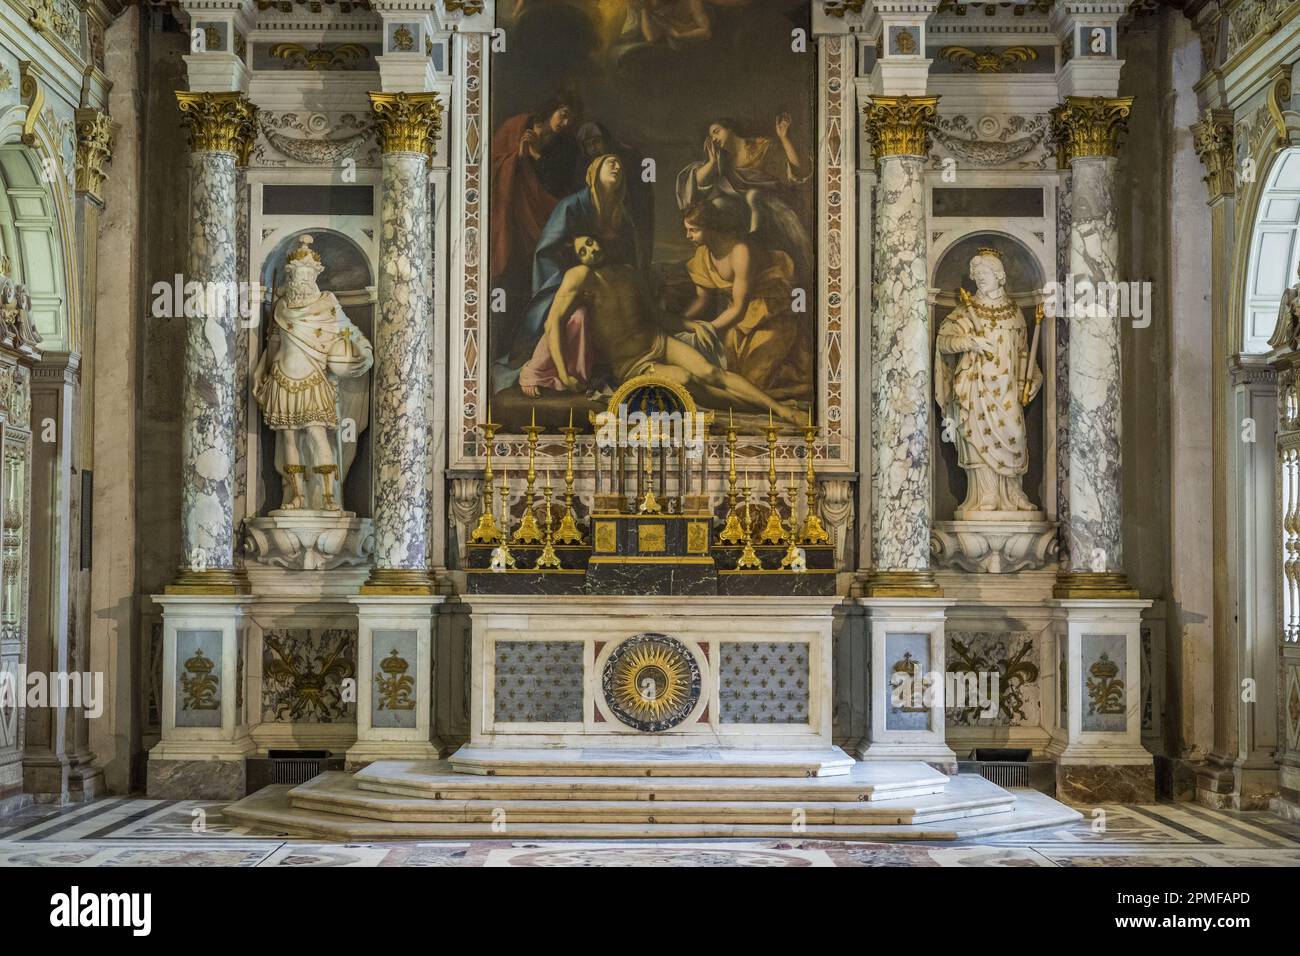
point(1088, 130)
point(900, 352)
point(222, 129)
point(408, 124)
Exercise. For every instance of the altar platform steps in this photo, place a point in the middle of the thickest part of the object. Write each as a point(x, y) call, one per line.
point(339, 806)
point(659, 762)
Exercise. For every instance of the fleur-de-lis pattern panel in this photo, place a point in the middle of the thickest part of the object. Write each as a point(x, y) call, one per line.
point(763, 683)
point(538, 681)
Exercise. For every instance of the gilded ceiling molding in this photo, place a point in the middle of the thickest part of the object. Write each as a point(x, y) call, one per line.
point(340, 57)
point(472, 8)
point(1005, 59)
point(1213, 140)
point(1090, 125)
point(219, 122)
point(900, 125)
point(407, 122)
point(95, 132)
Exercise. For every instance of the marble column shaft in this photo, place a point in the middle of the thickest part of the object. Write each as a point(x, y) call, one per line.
point(208, 414)
point(1094, 526)
point(900, 372)
point(400, 428)
point(222, 127)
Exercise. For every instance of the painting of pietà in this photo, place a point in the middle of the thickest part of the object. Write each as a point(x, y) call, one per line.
point(651, 205)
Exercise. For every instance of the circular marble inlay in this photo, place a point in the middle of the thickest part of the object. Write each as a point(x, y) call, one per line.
point(651, 682)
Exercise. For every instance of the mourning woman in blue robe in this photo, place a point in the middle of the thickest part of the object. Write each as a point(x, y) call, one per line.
point(601, 211)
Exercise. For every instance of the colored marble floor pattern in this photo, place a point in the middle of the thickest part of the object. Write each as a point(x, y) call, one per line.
point(140, 832)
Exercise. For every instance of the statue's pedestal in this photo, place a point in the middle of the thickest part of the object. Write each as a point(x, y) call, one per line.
point(994, 542)
point(304, 540)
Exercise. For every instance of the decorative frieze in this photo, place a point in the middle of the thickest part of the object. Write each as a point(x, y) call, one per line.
point(1002, 59)
point(1212, 138)
point(219, 123)
point(407, 122)
point(1090, 125)
point(95, 132)
point(900, 125)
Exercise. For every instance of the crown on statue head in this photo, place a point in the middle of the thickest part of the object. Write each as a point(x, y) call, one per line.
point(304, 250)
point(989, 251)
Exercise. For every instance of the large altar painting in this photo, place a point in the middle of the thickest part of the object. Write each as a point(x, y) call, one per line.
point(652, 205)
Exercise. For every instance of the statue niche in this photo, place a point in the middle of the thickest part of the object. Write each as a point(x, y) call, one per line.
point(312, 385)
point(986, 375)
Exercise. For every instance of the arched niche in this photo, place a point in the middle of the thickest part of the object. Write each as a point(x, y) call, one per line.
point(349, 276)
point(31, 240)
point(1274, 251)
point(1025, 281)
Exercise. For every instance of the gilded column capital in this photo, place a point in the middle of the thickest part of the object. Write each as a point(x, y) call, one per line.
point(95, 133)
point(407, 122)
point(1212, 139)
point(219, 123)
point(1089, 126)
point(900, 125)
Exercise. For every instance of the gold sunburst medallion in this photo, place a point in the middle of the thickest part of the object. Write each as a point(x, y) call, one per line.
point(651, 682)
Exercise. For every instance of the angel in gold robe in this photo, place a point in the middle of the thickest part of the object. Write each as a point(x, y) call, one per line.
point(762, 338)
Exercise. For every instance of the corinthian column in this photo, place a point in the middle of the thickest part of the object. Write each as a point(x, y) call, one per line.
point(222, 128)
point(408, 125)
point(1087, 130)
point(900, 352)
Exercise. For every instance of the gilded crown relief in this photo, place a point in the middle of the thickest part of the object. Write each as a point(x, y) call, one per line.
point(394, 687)
point(305, 675)
point(200, 685)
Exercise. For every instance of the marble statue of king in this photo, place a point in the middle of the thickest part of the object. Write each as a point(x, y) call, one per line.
point(984, 376)
point(309, 379)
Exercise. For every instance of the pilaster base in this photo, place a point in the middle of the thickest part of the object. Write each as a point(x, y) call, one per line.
point(394, 677)
point(1230, 787)
point(907, 681)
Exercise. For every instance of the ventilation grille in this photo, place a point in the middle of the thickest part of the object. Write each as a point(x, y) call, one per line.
point(296, 770)
point(1005, 774)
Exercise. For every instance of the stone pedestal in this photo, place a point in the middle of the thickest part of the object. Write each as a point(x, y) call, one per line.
point(394, 679)
point(1097, 737)
point(309, 540)
point(204, 716)
point(1007, 543)
point(907, 681)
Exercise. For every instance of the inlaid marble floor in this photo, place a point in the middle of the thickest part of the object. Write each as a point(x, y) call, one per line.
point(138, 832)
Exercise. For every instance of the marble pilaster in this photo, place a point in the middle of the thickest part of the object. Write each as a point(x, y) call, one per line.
point(1088, 129)
point(221, 132)
point(900, 352)
point(408, 124)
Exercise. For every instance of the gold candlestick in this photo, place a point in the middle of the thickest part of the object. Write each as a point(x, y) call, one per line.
point(487, 531)
point(528, 532)
point(568, 532)
point(649, 503)
point(774, 530)
point(732, 533)
point(548, 557)
point(502, 559)
point(813, 532)
point(748, 557)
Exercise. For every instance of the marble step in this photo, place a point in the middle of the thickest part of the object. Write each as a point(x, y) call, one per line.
point(864, 781)
point(339, 793)
point(269, 811)
point(650, 762)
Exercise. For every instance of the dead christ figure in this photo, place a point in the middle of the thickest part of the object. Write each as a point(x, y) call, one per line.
point(623, 328)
